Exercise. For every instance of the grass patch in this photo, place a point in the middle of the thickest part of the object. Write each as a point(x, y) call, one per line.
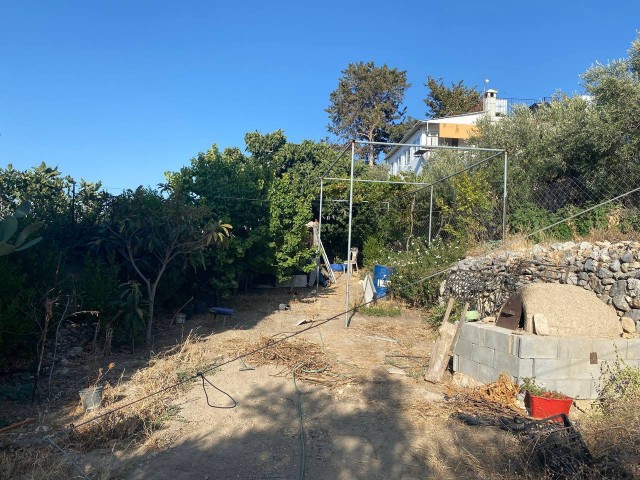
point(380, 311)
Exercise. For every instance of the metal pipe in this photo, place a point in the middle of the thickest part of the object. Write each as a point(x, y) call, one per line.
point(504, 201)
point(344, 150)
point(466, 169)
point(438, 147)
point(430, 213)
point(375, 181)
point(348, 273)
point(320, 212)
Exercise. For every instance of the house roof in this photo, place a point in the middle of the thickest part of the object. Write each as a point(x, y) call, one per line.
point(421, 123)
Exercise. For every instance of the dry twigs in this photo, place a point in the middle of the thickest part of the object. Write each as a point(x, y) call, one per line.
point(497, 398)
point(310, 363)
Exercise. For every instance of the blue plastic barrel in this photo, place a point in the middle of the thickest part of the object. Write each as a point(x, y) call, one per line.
point(381, 276)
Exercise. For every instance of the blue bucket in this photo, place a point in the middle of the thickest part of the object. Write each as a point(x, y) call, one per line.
point(381, 275)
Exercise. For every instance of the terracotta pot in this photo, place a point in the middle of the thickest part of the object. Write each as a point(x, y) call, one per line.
point(547, 406)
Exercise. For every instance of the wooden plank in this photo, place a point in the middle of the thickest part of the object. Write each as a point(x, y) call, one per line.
point(17, 425)
point(440, 356)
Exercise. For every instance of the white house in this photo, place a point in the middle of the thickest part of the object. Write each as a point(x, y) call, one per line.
point(453, 131)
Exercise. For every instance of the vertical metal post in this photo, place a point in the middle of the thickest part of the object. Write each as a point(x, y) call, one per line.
point(430, 213)
point(320, 213)
point(504, 201)
point(348, 273)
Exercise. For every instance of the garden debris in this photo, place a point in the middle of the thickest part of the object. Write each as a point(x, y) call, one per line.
point(384, 339)
point(494, 399)
point(308, 360)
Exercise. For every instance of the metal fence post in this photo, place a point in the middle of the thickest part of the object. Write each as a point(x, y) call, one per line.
point(430, 214)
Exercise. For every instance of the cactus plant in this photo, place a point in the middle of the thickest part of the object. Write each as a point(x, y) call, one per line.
point(9, 227)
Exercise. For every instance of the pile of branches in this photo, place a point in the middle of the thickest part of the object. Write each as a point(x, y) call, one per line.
point(493, 399)
point(299, 357)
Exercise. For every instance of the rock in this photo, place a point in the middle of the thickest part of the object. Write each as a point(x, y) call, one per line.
point(584, 246)
point(618, 288)
point(634, 265)
point(590, 265)
point(620, 303)
point(538, 249)
point(633, 284)
point(627, 257)
point(608, 281)
point(604, 273)
point(624, 267)
point(568, 246)
point(615, 266)
point(633, 314)
point(540, 324)
point(628, 325)
point(635, 302)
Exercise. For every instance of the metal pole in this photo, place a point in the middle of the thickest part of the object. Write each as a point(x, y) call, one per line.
point(430, 213)
point(504, 201)
point(348, 273)
point(320, 213)
point(361, 180)
point(434, 147)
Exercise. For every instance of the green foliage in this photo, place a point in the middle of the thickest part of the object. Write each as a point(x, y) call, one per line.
point(618, 382)
point(442, 101)
point(529, 385)
point(380, 311)
point(9, 227)
point(130, 315)
point(366, 102)
point(413, 266)
point(98, 284)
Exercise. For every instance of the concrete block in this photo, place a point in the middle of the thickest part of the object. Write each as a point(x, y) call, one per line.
point(456, 359)
point(500, 339)
point(503, 362)
point(473, 332)
point(468, 367)
point(581, 369)
point(483, 355)
point(633, 349)
point(525, 368)
point(487, 374)
point(610, 349)
point(551, 368)
point(463, 348)
point(533, 346)
point(575, 388)
point(579, 348)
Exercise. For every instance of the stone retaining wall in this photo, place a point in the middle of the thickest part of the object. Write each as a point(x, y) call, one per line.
point(610, 270)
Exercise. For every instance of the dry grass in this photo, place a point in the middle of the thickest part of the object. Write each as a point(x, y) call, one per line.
point(309, 362)
point(141, 419)
point(497, 398)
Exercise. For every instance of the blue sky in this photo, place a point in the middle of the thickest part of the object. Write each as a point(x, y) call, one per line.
point(123, 90)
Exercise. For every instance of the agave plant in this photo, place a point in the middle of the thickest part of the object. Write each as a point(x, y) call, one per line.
point(9, 227)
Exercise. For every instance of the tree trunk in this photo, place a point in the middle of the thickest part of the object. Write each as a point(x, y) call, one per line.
point(152, 298)
point(372, 156)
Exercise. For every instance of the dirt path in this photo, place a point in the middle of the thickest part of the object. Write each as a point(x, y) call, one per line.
point(382, 422)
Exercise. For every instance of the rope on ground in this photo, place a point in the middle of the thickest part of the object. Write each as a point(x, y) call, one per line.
point(315, 324)
point(204, 379)
point(303, 452)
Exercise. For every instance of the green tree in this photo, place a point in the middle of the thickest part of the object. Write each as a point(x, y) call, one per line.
point(457, 99)
point(150, 232)
point(366, 103)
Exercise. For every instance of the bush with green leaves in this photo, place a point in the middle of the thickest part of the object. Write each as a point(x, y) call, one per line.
point(412, 267)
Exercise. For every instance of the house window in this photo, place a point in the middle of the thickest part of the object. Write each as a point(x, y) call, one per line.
point(448, 142)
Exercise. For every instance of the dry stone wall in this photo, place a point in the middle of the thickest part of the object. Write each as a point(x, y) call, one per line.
point(611, 270)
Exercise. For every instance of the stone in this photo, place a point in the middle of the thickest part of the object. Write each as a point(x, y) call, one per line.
point(627, 257)
point(628, 325)
point(635, 302)
point(618, 288)
point(633, 284)
point(615, 266)
point(590, 265)
point(584, 246)
point(569, 310)
point(620, 303)
point(540, 324)
point(538, 249)
point(608, 281)
point(604, 273)
point(633, 314)
point(624, 267)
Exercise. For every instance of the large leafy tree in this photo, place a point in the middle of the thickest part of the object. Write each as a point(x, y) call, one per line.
point(366, 103)
point(151, 232)
point(457, 99)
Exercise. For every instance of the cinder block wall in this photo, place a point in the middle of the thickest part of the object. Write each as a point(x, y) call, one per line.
point(568, 365)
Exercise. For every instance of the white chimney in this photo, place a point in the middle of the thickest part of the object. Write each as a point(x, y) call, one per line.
point(490, 100)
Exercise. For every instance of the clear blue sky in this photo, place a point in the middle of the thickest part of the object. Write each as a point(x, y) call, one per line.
point(123, 90)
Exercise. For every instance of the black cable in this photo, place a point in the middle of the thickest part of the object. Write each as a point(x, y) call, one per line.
point(201, 375)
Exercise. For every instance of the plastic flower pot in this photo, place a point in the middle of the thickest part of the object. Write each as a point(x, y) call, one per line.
point(91, 398)
point(547, 405)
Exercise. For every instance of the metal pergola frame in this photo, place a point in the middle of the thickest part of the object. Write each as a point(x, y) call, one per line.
point(496, 152)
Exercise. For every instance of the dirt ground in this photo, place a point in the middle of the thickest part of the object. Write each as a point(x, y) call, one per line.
point(381, 421)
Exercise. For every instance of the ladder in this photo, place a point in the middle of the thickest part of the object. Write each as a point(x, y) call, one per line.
point(324, 254)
